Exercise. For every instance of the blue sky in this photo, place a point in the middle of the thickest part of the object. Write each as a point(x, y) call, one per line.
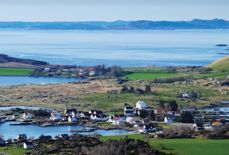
point(110, 10)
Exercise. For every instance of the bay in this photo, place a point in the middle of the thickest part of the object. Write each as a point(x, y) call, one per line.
point(120, 47)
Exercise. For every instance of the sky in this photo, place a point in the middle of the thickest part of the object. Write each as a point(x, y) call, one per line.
point(111, 10)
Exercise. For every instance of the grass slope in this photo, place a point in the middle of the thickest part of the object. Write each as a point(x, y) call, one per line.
point(15, 71)
point(221, 64)
point(183, 146)
point(12, 150)
point(149, 76)
point(147, 73)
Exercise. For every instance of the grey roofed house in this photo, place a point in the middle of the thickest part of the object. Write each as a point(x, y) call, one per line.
point(2, 142)
point(22, 137)
point(43, 137)
point(95, 112)
point(150, 127)
point(70, 111)
point(64, 136)
point(128, 111)
point(84, 114)
point(198, 126)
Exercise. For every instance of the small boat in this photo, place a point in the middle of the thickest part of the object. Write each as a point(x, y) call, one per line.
point(84, 130)
point(2, 119)
point(216, 109)
point(21, 123)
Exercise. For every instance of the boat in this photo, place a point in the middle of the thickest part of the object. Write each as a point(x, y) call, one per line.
point(84, 130)
point(2, 119)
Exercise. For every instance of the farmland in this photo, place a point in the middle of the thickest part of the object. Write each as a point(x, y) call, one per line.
point(15, 71)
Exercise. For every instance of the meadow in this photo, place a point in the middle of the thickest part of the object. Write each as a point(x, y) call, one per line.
point(15, 71)
point(152, 75)
point(12, 150)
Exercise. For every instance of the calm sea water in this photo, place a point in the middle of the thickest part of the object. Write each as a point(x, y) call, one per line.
point(11, 131)
point(125, 48)
point(19, 80)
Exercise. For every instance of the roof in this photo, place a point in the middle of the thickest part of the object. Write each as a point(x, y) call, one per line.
point(217, 123)
point(129, 107)
point(71, 110)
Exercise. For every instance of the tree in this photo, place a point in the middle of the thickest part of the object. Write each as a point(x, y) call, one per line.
point(186, 117)
point(172, 106)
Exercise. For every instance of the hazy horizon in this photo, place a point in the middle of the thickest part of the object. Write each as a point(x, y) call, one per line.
point(112, 10)
point(120, 20)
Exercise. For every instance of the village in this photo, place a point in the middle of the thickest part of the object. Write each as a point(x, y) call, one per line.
point(160, 122)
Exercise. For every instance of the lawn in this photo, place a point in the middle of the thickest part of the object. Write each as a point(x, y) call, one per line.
point(12, 150)
point(211, 74)
point(149, 75)
point(183, 146)
point(15, 71)
point(107, 101)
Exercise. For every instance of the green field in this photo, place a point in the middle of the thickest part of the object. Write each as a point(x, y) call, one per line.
point(12, 150)
point(212, 74)
point(149, 76)
point(183, 146)
point(15, 71)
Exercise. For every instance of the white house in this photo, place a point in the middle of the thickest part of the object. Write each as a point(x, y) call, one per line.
point(198, 127)
point(46, 69)
point(185, 95)
point(27, 145)
point(27, 116)
point(147, 128)
point(168, 120)
point(130, 120)
point(99, 117)
point(117, 119)
point(72, 119)
point(92, 73)
point(141, 105)
point(55, 116)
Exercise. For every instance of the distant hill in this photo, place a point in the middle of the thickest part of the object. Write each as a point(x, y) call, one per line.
point(5, 59)
point(221, 64)
point(120, 25)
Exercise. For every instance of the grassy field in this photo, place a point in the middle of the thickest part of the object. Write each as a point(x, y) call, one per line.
point(15, 71)
point(154, 75)
point(183, 146)
point(12, 150)
point(149, 75)
point(211, 74)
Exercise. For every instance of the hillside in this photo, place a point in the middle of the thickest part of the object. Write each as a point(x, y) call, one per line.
point(7, 60)
point(221, 64)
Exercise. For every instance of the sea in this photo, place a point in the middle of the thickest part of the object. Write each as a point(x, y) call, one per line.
point(127, 48)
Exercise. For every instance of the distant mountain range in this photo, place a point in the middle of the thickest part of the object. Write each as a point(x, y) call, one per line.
point(119, 25)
